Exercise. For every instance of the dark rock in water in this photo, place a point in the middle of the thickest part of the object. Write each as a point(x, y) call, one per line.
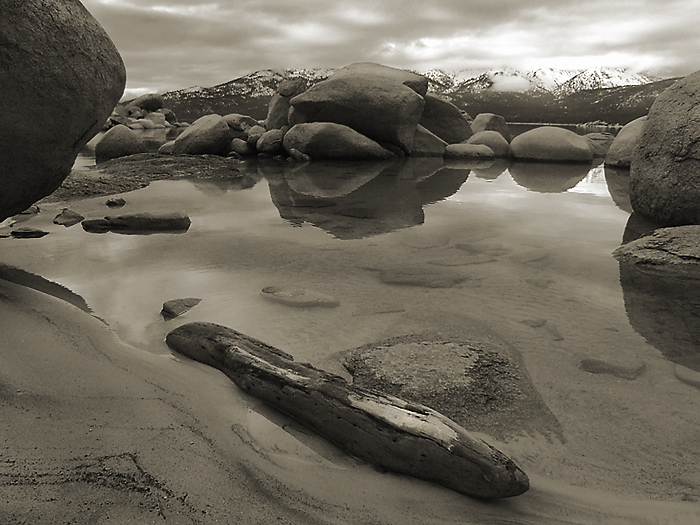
point(28, 233)
point(68, 218)
point(139, 224)
point(665, 164)
point(479, 383)
point(115, 202)
point(671, 251)
point(176, 307)
point(61, 76)
point(660, 278)
point(300, 297)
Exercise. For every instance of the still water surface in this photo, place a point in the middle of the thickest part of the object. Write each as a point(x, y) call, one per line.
point(527, 248)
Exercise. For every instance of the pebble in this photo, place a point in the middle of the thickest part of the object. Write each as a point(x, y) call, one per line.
point(176, 307)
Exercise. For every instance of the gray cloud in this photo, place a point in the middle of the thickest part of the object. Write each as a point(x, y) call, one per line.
point(170, 44)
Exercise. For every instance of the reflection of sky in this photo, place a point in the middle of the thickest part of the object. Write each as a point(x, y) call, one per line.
point(594, 183)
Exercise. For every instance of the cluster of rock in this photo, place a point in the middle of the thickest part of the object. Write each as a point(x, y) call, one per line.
point(368, 111)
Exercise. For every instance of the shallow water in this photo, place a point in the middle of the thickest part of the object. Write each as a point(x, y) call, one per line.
point(521, 249)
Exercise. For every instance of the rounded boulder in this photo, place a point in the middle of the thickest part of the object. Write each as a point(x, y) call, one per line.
point(665, 167)
point(209, 134)
point(328, 140)
point(56, 95)
point(620, 153)
point(551, 144)
point(119, 141)
point(494, 140)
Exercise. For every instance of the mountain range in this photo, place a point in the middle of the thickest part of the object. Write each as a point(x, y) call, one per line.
point(615, 96)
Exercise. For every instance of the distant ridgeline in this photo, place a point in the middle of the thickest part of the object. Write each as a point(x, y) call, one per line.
point(553, 96)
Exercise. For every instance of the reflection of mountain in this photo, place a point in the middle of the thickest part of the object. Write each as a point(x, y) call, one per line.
point(356, 200)
point(548, 177)
point(665, 311)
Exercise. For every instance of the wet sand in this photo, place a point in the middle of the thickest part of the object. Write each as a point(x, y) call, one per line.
point(100, 432)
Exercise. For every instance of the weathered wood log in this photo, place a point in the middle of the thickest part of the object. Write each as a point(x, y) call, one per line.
point(386, 431)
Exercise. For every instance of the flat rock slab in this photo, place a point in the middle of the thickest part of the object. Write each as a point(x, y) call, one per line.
point(28, 233)
point(675, 251)
point(479, 384)
point(139, 224)
point(299, 297)
point(176, 307)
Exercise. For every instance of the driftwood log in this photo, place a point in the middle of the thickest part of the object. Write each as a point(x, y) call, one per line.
point(385, 431)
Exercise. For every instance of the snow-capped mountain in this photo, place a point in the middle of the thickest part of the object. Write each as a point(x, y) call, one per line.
point(556, 81)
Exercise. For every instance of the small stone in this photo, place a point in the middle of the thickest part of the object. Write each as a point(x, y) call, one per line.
point(176, 307)
point(115, 202)
point(68, 218)
point(28, 233)
point(298, 297)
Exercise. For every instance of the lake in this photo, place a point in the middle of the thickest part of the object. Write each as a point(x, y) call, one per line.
point(531, 246)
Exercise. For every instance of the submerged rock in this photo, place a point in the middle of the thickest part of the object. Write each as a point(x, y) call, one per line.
point(479, 383)
point(299, 297)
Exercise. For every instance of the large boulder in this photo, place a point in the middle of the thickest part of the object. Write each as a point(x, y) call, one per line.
point(60, 78)
point(620, 153)
point(119, 141)
point(416, 82)
point(494, 140)
point(445, 120)
point(665, 168)
point(209, 134)
point(551, 144)
point(491, 122)
point(328, 140)
point(375, 105)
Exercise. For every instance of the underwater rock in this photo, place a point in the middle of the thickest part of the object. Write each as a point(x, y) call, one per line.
point(68, 218)
point(299, 297)
point(629, 371)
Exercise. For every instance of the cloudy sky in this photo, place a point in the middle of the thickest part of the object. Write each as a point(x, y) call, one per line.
point(172, 44)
